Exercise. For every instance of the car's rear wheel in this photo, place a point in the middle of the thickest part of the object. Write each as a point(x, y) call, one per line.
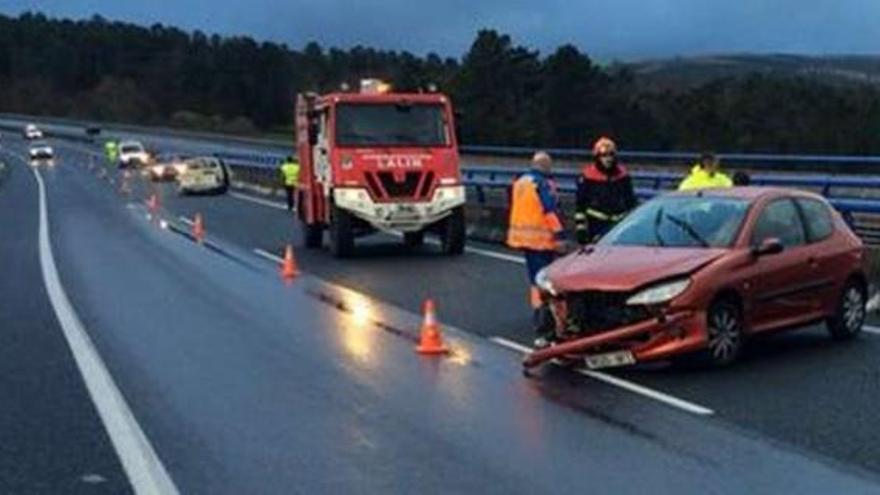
point(848, 319)
point(724, 328)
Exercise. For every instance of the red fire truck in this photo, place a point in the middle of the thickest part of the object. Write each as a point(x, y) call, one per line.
point(376, 160)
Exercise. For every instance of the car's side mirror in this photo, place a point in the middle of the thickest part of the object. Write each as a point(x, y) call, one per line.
point(768, 247)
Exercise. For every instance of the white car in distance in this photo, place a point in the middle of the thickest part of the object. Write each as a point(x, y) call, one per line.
point(32, 132)
point(132, 154)
point(40, 153)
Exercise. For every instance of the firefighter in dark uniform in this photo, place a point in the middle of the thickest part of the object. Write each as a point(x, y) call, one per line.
point(605, 193)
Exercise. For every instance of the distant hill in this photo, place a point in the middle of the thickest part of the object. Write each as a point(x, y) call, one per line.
point(688, 72)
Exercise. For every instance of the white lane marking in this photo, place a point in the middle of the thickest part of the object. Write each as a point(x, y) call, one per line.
point(627, 385)
point(145, 471)
point(268, 255)
point(478, 251)
point(185, 220)
point(514, 346)
point(648, 392)
point(495, 254)
point(259, 201)
point(871, 329)
point(468, 249)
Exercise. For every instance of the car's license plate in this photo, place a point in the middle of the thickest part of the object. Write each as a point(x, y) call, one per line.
point(609, 360)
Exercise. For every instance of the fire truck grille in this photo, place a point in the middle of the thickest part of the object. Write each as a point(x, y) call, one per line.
point(593, 312)
point(415, 185)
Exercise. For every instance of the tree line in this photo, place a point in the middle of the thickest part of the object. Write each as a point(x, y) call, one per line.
point(507, 94)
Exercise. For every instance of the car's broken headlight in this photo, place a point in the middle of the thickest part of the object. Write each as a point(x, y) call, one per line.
point(542, 280)
point(659, 293)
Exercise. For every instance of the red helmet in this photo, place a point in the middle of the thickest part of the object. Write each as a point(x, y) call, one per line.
point(603, 146)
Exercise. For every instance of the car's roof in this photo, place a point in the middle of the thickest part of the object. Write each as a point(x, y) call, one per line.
point(749, 193)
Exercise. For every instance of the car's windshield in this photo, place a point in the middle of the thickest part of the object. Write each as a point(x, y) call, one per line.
point(677, 221)
point(390, 125)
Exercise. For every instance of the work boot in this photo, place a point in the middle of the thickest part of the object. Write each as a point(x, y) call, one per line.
point(544, 326)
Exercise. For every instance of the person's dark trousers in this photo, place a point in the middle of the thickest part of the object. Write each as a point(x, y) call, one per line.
point(291, 192)
point(542, 319)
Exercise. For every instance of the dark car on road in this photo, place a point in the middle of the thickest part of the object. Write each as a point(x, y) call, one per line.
point(701, 272)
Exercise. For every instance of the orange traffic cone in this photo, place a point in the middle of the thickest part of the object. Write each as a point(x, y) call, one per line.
point(198, 229)
point(289, 269)
point(432, 339)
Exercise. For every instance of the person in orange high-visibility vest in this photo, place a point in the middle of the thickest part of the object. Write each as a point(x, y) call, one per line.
point(537, 230)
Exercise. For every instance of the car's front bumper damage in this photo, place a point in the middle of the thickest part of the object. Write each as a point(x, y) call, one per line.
point(671, 334)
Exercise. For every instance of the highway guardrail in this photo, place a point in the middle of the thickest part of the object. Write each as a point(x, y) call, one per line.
point(856, 197)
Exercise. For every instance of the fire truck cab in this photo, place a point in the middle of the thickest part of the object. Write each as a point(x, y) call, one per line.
point(375, 160)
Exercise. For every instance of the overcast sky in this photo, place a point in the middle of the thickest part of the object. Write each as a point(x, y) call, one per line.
point(606, 29)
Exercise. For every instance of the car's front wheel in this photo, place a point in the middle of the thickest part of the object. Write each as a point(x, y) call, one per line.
point(848, 319)
point(724, 328)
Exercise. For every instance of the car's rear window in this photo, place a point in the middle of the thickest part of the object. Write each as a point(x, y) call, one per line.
point(817, 219)
point(132, 149)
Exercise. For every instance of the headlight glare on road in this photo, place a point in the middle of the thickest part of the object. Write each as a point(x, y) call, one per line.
point(659, 293)
point(542, 280)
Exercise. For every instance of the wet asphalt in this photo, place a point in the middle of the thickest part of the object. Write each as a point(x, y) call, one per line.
point(246, 385)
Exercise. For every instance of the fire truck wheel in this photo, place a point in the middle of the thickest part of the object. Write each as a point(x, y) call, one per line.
point(453, 233)
point(414, 239)
point(341, 233)
point(314, 235)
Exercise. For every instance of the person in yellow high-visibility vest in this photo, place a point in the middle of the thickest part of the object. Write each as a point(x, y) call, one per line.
point(111, 149)
point(537, 230)
point(290, 178)
point(706, 174)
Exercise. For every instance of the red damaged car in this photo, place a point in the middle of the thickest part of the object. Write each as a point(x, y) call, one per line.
point(700, 272)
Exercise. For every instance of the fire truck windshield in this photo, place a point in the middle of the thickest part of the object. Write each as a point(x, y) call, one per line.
point(390, 124)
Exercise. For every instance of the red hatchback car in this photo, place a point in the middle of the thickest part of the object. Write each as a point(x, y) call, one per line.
point(699, 272)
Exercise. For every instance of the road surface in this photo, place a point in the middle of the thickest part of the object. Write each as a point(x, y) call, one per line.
point(240, 383)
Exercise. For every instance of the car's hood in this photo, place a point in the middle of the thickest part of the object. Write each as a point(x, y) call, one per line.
point(625, 268)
